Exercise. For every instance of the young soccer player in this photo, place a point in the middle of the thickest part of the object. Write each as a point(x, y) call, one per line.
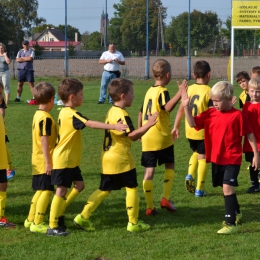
point(10, 172)
point(255, 72)
point(252, 111)
point(3, 178)
point(67, 152)
point(242, 78)
point(44, 135)
point(224, 128)
point(116, 148)
point(157, 143)
point(199, 94)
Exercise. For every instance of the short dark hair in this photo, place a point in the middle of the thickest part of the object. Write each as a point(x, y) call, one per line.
point(43, 92)
point(242, 75)
point(68, 87)
point(119, 86)
point(256, 70)
point(201, 68)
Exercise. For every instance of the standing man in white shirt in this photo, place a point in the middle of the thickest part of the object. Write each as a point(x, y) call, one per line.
point(112, 59)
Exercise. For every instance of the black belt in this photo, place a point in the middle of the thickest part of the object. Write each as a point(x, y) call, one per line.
point(112, 71)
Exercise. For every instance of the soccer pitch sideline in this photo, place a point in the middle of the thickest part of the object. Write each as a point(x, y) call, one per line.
point(189, 233)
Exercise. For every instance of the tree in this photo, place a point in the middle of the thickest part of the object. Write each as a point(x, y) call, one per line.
point(84, 39)
point(70, 32)
point(42, 27)
point(203, 29)
point(127, 29)
point(94, 41)
point(38, 49)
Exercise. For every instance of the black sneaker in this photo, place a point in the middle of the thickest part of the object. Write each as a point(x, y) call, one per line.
point(100, 102)
point(253, 189)
point(61, 223)
point(56, 232)
point(17, 100)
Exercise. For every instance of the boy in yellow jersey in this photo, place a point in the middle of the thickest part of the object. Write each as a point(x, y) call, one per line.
point(199, 94)
point(10, 172)
point(242, 78)
point(3, 178)
point(157, 143)
point(116, 147)
point(67, 152)
point(44, 135)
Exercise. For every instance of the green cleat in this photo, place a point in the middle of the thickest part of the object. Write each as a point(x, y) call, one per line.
point(190, 183)
point(82, 223)
point(238, 218)
point(140, 226)
point(27, 223)
point(227, 229)
point(40, 228)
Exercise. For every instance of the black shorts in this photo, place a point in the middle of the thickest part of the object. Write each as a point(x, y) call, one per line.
point(117, 181)
point(25, 75)
point(249, 156)
point(42, 182)
point(65, 177)
point(149, 159)
point(3, 178)
point(225, 174)
point(197, 146)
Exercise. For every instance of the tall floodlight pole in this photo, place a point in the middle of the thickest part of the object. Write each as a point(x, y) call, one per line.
point(105, 36)
point(147, 43)
point(66, 42)
point(189, 62)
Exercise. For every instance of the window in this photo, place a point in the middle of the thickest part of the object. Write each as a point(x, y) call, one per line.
point(51, 39)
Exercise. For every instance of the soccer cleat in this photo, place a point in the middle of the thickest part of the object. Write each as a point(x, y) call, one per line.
point(32, 102)
point(200, 193)
point(27, 223)
point(253, 189)
point(82, 223)
point(10, 174)
point(189, 183)
point(4, 223)
point(227, 229)
point(167, 204)
point(238, 218)
point(151, 212)
point(40, 228)
point(100, 102)
point(17, 100)
point(56, 232)
point(140, 226)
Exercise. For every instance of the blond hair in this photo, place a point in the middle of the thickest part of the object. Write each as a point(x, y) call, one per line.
point(160, 68)
point(254, 83)
point(223, 90)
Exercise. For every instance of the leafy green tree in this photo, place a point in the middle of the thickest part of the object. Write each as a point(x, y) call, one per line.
point(22, 14)
point(71, 50)
point(41, 28)
point(70, 32)
point(203, 29)
point(84, 39)
point(94, 41)
point(127, 29)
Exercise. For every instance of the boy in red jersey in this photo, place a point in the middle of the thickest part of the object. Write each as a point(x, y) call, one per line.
point(224, 128)
point(252, 111)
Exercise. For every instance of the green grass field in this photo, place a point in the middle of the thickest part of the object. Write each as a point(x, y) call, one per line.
point(190, 233)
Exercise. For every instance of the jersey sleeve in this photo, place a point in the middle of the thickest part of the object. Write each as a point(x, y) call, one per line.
point(45, 126)
point(164, 97)
point(79, 121)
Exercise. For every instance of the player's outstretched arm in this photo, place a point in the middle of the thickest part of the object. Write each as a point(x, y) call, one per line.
point(99, 125)
point(138, 133)
point(252, 141)
point(174, 101)
point(177, 123)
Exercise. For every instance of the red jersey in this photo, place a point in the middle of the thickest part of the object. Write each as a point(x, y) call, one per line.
point(252, 111)
point(223, 135)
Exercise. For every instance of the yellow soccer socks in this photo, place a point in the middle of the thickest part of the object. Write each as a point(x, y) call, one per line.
point(167, 183)
point(193, 165)
point(132, 205)
point(2, 203)
point(57, 206)
point(202, 174)
point(93, 202)
point(148, 193)
point(32, 210)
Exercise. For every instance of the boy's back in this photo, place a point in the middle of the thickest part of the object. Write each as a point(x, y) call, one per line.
point(199, 95)
point(43, 125)
point(117, 145)
point(159, 136)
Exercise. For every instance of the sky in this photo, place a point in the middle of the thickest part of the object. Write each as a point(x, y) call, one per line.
point(85, 14)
